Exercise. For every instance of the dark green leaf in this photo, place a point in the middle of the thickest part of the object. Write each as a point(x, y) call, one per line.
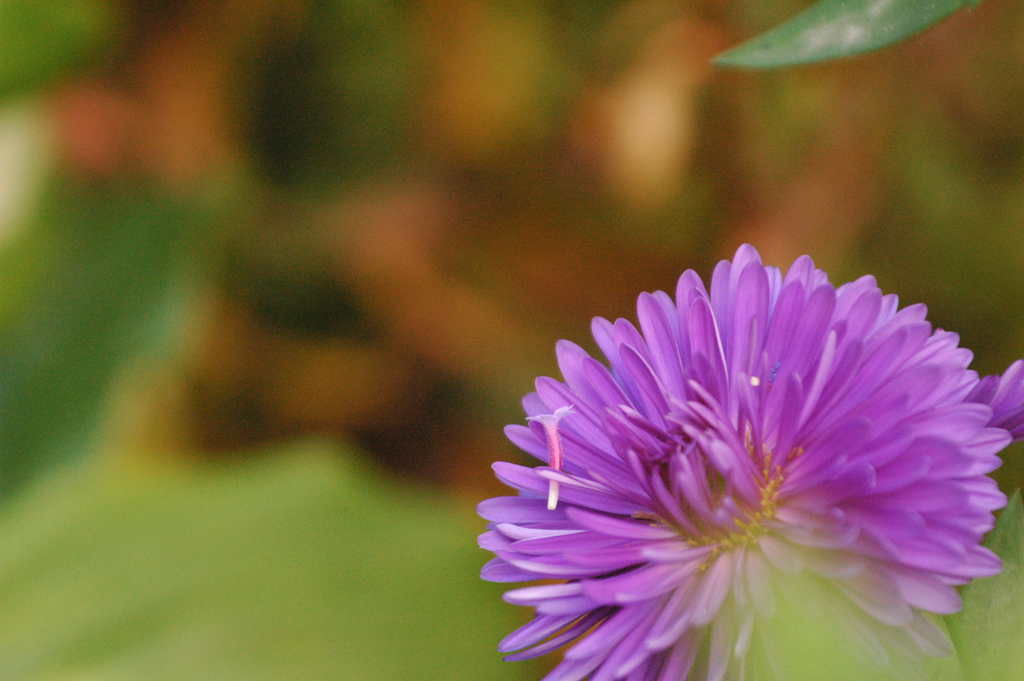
point(299, 566)
point(989, 631)
point(832, 29)
point(106, 260)
point(41, 39)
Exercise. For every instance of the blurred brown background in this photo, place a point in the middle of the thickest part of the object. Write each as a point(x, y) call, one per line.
point(408, 202)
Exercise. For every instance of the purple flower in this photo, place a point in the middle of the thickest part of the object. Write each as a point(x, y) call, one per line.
point(778, 426)
point(1005, 394)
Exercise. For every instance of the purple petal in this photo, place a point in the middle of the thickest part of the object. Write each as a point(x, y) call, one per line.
point(497, 570)
point(878, 598)
point(517, 510)
point(642, 584)
point(617, 527)
point(604, 335)
point(750, 318)
point(650, 387)
point(528, 480)
point(549, 621)
point(710, 593)
point(661, 342)
point(608, 633)
point(523, 437)
point(926, 591)
point(534, 631)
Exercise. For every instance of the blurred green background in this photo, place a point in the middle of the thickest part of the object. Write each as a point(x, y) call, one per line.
point(228, 227)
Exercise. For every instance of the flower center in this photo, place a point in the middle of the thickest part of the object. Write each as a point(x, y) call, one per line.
point(750, 523)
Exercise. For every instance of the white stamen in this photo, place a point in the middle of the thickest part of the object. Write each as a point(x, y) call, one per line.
point(552, 495)
point(550, 424)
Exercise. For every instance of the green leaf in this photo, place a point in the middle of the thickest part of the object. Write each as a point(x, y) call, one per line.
point(105, 262)
point(299, 565)
point(816, 633)
point(947, 667)
point(989, 631)
point(832, 29)
point(42, 39)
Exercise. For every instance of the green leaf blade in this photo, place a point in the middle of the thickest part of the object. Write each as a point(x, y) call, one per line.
point(832, 29)
point(106, 262)
point(988, 632)
point(303, 564)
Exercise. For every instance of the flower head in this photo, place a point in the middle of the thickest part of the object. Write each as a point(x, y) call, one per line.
point(773, 427)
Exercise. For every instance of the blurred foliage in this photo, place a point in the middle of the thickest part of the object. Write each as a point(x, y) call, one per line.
point(332, 97)
point(816, 633)
point(43, 39)
point(371, 219)
point(561, 158)
point(102, 269)
point(293, 566)
point(989, 631)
